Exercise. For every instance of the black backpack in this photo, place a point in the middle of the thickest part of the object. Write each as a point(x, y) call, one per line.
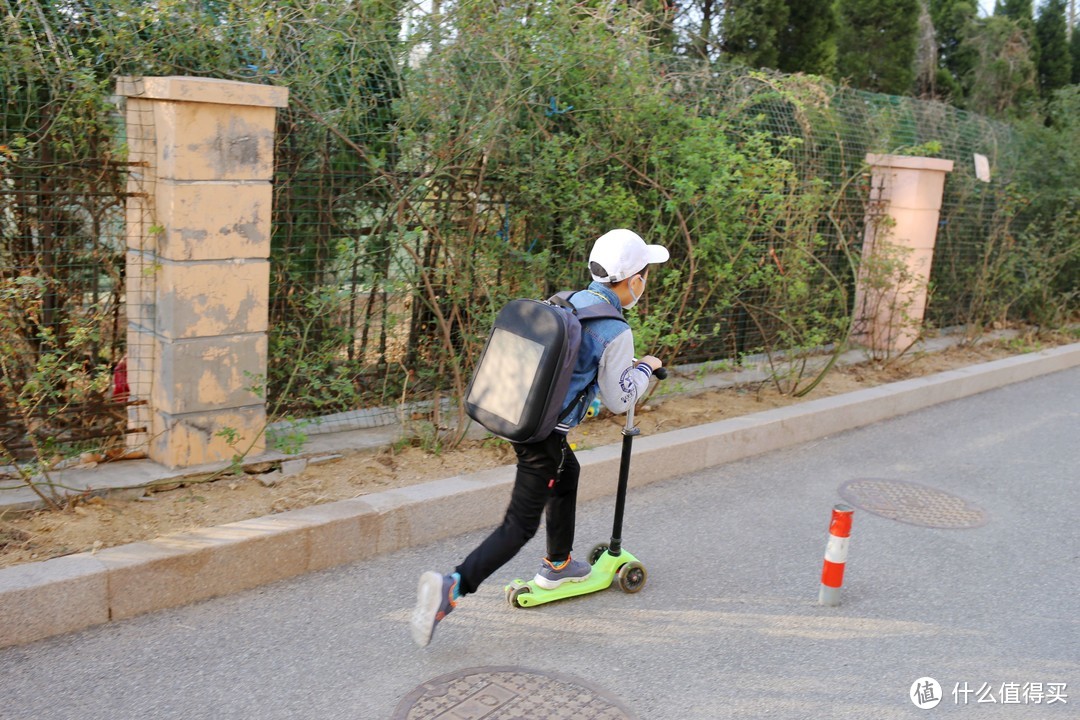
point(524, 372)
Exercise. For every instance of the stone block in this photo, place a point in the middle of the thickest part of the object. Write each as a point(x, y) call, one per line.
point(213, 221)
point(139, 271)
point(137, 437)
point(141, 363)
point(914, 229)
point(198, 438)
point(202, 299)
point(201, 90)
point(601, 466)
point(42, 599)
point(140, 134)
point(341, 532)
point(442, 508)
point(187, 567)
point(911, 189)
point(270, 479)
point(291, 468)
point(909, 162)
point(205, 374)
point(200, 141)
point(142, 352)
point(660, 457)
point(919, 261)
point(139, 218)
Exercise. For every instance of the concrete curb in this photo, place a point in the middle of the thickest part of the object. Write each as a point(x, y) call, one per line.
point(52, 597)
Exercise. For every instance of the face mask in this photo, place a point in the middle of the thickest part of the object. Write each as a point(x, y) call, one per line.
point(635, 295)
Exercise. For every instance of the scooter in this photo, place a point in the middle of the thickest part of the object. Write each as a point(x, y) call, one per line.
point(610, 562)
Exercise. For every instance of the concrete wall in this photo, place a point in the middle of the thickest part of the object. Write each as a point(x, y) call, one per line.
point(198, 270)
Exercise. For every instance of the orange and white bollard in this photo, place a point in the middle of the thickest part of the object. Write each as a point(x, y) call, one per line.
point(832, 575)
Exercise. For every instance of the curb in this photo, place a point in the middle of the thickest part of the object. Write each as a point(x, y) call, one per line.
point(52, 597)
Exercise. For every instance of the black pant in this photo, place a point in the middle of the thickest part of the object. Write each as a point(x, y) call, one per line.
point(547, 477)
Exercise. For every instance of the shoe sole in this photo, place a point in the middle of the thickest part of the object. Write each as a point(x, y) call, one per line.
point(428, 599)
point(553, 584)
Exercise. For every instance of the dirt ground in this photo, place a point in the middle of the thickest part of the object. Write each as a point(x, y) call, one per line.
point(95, 523)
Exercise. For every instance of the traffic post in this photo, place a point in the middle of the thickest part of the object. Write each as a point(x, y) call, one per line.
point(832, 575)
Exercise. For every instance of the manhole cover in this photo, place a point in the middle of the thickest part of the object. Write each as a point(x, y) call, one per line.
point(913, 504)
point(493, 693)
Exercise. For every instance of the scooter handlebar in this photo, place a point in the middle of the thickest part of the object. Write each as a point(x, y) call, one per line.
point(660, 373)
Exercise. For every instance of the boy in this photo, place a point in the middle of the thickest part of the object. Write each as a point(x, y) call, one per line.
point(547, 471)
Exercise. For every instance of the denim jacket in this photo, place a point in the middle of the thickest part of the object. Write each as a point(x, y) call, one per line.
point(605, 361)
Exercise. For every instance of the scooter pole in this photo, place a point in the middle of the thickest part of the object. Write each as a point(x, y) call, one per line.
point(628, 433)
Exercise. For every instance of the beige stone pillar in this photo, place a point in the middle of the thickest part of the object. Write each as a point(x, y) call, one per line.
point(198, 271)
point(898, 249)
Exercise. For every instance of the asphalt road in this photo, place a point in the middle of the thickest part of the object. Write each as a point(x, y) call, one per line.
point(728, 625)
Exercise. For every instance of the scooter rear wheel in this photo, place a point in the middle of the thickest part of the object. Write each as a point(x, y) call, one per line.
point(632, 577)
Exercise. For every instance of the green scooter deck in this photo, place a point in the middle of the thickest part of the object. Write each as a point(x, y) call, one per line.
point(604, 571)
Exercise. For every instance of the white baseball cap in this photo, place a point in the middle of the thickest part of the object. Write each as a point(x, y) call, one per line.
point(620, 254)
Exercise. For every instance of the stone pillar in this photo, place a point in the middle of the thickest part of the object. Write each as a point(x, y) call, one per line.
point(898, 248)
point(198, 270)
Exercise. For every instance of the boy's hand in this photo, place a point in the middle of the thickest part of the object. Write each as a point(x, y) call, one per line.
point(652, 361)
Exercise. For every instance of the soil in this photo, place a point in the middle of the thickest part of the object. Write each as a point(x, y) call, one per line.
point(95, 523)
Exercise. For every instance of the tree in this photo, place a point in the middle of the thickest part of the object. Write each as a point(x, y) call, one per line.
point(1074, 51)
point(659, 22)
point(702, 37)
point(1055, 63)
point(951, 19)
point(1002, 80)
point(876, 44)
point(926, 56)
point(807, 43)
point(1019, 10)
point(752, 29)
point(1023, 13)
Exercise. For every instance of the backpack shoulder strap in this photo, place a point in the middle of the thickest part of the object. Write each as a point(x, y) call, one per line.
point(588, 312)
point(562, 299)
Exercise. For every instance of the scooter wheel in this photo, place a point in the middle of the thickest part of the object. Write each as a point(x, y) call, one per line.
point(632, 577)
point(513, 590)
point(596, 552)
point(516, 593)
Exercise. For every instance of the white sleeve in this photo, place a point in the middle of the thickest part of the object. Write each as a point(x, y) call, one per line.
point(621, 384)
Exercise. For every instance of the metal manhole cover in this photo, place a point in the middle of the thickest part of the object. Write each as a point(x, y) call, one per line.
point(913, 504)
point(494, 693)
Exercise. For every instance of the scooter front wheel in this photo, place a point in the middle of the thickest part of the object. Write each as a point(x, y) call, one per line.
point(512, 594)
point(632, 577)
point(597, 552)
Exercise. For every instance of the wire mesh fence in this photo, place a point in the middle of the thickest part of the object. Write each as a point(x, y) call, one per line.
point(431, 167)
point(62, 239)
point(409, 267)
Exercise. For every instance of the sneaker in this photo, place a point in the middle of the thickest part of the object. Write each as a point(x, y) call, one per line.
point(434, 601)
point(552, 576)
